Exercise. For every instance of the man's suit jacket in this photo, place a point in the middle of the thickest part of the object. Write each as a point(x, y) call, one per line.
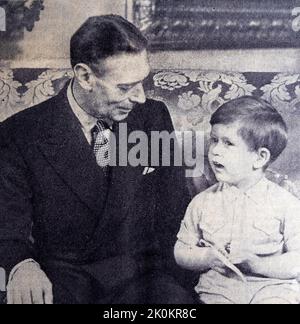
point(52, 190)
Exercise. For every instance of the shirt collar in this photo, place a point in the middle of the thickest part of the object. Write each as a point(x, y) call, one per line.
point(87, 121)
point(255, 193)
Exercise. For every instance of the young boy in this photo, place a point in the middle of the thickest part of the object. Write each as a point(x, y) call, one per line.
point(244, 222)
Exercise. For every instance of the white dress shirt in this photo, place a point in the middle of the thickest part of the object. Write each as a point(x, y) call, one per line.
point(88, 122)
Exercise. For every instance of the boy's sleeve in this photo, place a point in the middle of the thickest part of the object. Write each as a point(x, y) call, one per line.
point(190, 233)
point(292, 225)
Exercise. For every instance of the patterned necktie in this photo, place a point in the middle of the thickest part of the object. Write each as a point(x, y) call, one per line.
point(100, 144)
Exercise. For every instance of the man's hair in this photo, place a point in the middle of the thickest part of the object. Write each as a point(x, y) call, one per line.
point(101, 37)
point(261, 124)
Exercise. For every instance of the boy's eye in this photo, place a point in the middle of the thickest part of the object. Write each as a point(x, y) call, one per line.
point(228, 143)
point(213, 140)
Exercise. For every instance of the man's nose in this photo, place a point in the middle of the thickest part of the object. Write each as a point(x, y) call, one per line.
point(138, 94)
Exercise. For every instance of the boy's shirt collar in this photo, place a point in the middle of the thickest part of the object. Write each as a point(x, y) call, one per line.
point(255, 193)
point(258, 192)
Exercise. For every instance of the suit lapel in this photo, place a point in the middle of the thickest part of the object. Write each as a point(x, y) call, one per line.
point(67, 150)
point(123, 186)
point(124, 183)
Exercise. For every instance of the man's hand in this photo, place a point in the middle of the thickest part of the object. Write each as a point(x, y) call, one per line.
point(29, 285)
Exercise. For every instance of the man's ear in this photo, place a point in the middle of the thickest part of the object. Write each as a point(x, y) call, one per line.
point(263, 158)
point(84, 75)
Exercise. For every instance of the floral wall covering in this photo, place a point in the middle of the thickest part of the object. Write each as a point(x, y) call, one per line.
point(191, 95)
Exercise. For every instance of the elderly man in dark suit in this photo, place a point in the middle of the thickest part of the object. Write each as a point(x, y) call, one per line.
point(73, 227)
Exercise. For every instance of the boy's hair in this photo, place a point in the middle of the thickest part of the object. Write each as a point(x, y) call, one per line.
point(104, 36)
point(261, 124)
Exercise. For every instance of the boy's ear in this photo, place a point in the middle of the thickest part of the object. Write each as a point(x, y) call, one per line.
point(263, 158)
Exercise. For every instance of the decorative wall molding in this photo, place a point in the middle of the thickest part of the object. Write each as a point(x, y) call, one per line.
point(217, 24)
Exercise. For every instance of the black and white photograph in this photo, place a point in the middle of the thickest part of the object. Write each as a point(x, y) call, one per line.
point(149, 154)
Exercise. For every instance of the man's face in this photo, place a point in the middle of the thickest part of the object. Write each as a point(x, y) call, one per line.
point(229, 155)
point(120, 87)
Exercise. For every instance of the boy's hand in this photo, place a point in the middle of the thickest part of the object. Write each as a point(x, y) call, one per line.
point(245, 260)
point(214, 261)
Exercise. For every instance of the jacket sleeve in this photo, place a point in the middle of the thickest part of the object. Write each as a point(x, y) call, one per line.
point(15, 205)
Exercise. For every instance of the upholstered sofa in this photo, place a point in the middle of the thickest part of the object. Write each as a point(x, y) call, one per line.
point(191, 96)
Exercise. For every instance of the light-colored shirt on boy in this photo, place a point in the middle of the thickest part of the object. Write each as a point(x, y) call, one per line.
point(265, 220)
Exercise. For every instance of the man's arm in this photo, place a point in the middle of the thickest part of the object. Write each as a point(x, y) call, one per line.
point(16, 207)
point(27, 282)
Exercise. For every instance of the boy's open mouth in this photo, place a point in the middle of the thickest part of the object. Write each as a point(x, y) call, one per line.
point(218, 165)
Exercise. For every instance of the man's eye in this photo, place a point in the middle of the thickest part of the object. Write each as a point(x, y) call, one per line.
point(124, 88)
point(213, 140)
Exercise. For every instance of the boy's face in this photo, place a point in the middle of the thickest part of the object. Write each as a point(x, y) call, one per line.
point(229, 155)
